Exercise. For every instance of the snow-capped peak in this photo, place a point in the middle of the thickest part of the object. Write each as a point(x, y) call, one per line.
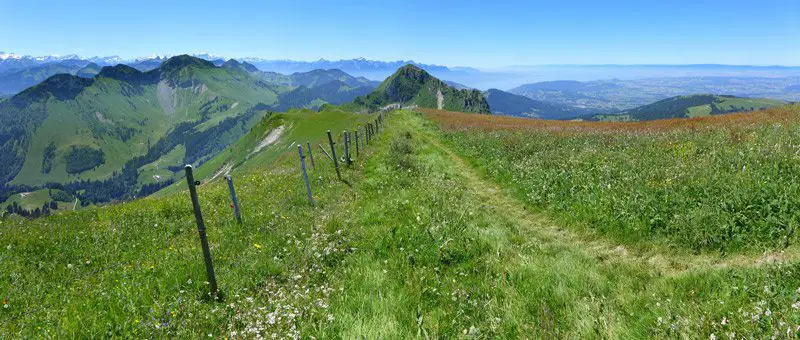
point(6, 56)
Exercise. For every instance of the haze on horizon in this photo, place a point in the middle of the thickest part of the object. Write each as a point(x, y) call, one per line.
point(450, 33)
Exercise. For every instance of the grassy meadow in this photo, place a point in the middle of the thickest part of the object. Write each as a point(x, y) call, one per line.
point(427, 240)
point(720, 184)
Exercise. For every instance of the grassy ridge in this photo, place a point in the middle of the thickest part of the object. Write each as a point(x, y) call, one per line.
point(421, 245)
point(141, 263)
point(698, 105)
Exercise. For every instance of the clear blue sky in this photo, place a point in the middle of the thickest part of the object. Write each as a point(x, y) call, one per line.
point(454, 33)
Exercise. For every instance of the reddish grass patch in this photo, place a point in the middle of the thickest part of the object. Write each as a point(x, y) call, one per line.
point(461, 121)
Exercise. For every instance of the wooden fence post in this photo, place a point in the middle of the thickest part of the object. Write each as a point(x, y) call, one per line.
point(358, 153)
point(305, 174)
point(333, 153)
point(201, 229)
point(361, 131)
point(234, 200)
point(346, 148)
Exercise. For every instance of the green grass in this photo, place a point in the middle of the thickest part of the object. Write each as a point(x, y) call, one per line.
point(421, 245)
point(36, 199)
point(699, 111)
point(746, 104)
point(148, 172)
point(723, 189)
point(688, 106)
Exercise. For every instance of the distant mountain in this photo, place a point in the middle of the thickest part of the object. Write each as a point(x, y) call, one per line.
point(411, 85)
point(505, 103)
point(457, 86)
point(689, 106)
point(371, 69)
point(233, 63)
point(310, 89)
point(89, 71)
point(321, 77)
point(333, 92)
point(18, 79)
point(148, 64)
point(125, 133)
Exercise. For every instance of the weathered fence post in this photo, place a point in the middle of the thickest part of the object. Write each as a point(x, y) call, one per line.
point(333, 152)
point(201, 229)
point(235, 201)
point(361, 132)
point(305, 174)
point(311, 155)
point(357, 147)
point(346, 148)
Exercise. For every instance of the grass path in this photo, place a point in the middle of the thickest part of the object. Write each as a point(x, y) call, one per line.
point(451, 254)
point(662, 261)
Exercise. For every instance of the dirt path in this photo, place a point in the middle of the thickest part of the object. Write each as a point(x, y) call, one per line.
point(659, 260)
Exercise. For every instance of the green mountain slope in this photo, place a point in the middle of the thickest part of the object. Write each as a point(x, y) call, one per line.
point(411, 85)
point(310, 89)
point(689, 106)
point(506, 103)
point(334, 92)
point(126, 133)
point(93, 135)
point(272, 137)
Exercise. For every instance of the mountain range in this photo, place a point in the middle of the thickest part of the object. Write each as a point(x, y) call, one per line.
point(360, 67)
point(109, 136)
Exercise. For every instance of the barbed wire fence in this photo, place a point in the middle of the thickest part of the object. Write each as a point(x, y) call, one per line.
point(360, 135)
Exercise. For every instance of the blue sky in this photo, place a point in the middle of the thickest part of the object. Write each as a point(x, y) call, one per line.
point(454, 33)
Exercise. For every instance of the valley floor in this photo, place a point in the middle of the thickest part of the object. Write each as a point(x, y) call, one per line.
point(420, 244)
